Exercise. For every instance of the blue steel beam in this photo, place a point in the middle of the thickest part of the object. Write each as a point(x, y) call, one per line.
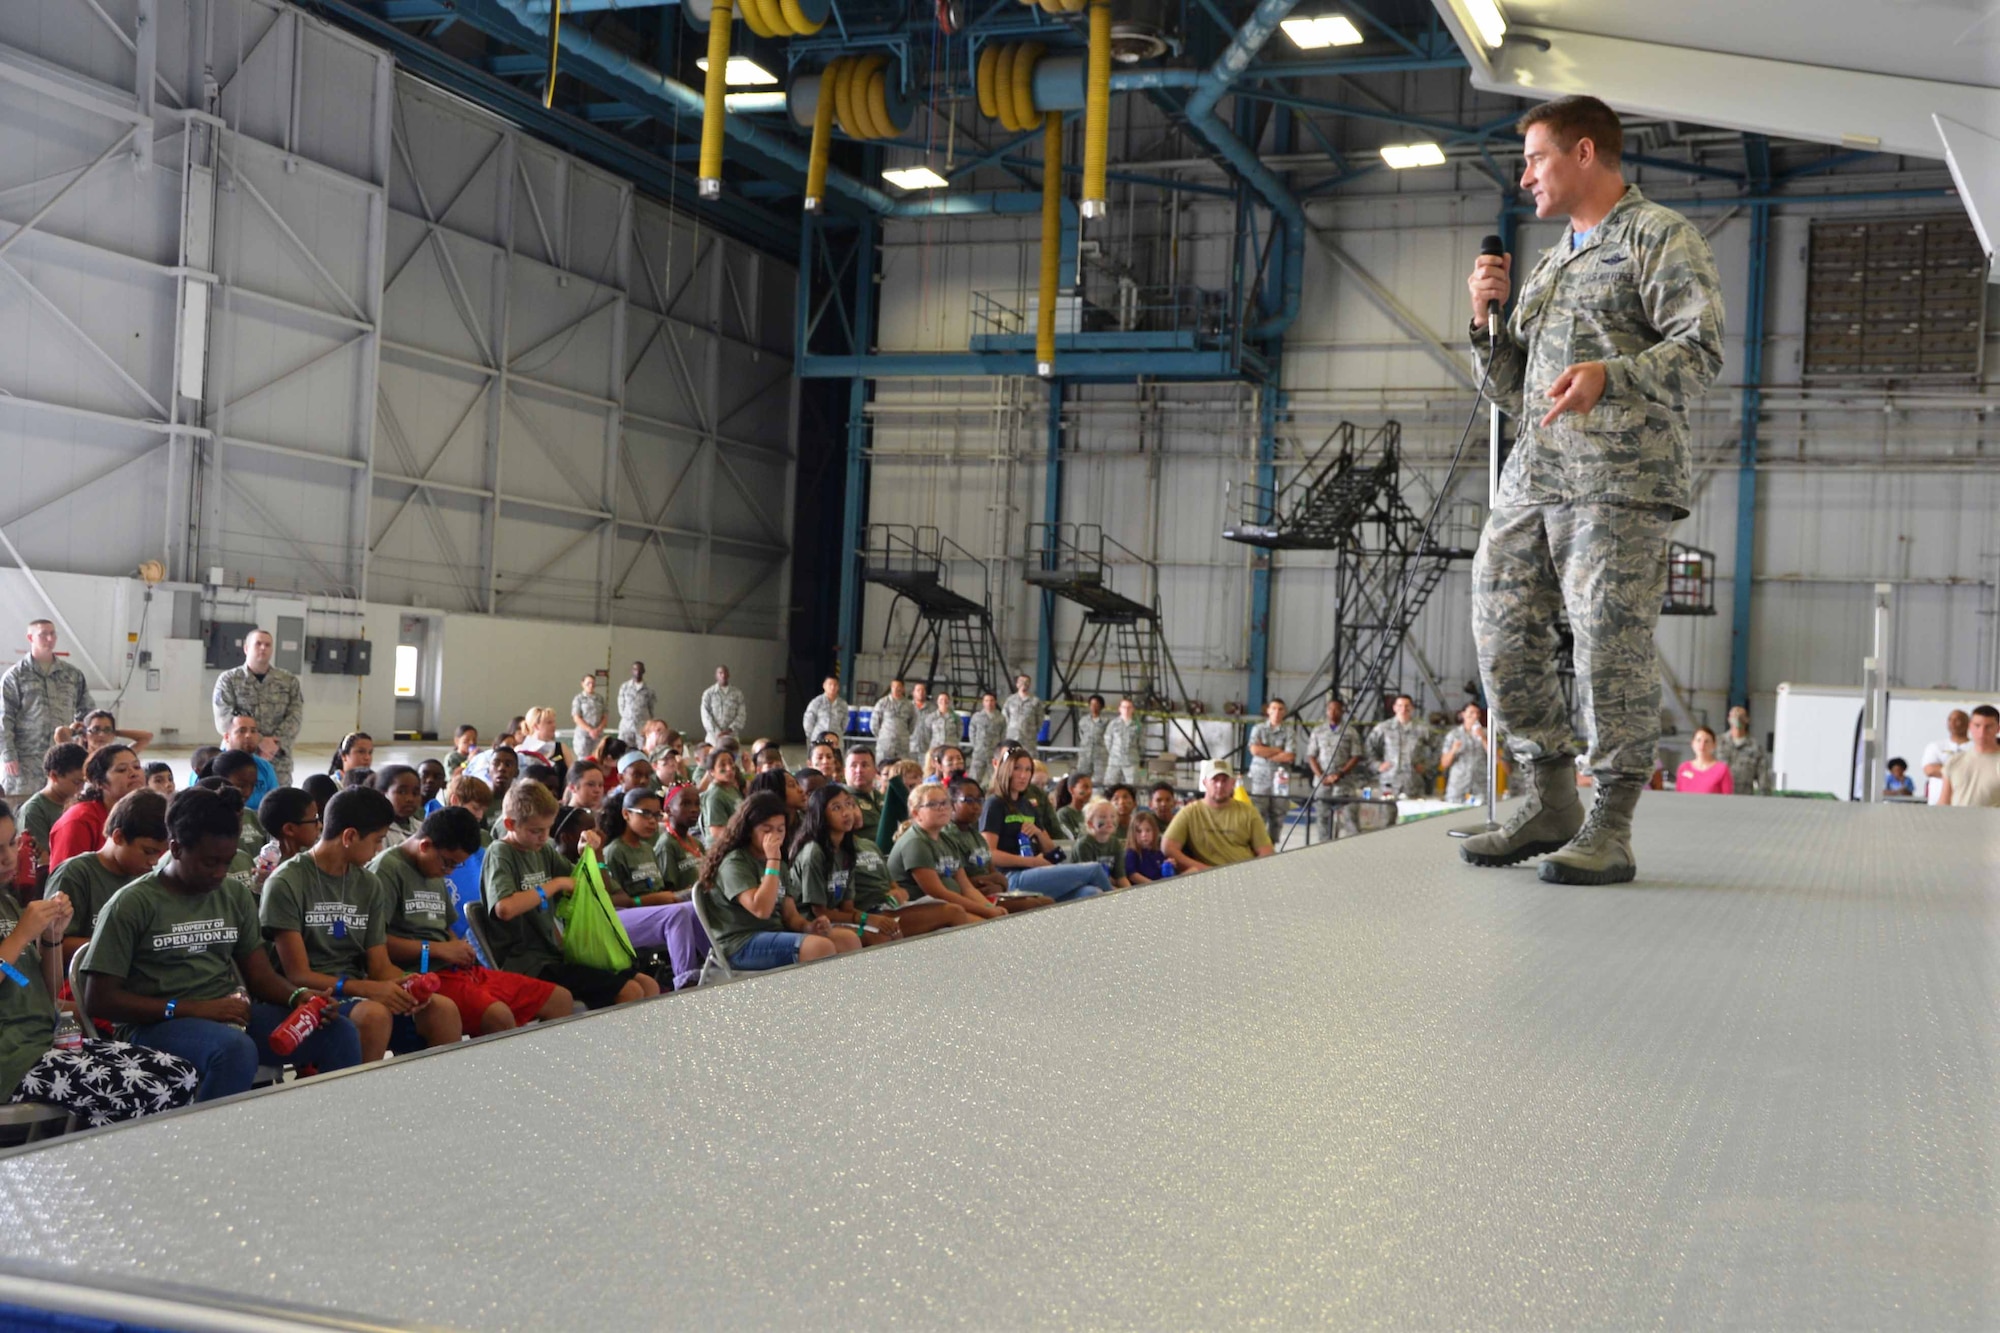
point(1757, 151)
point(1077, 366)
point(1052, 491)
point(854, 503)
point(1259, 684)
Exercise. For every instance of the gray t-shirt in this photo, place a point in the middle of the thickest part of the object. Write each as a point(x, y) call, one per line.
point(341, 917)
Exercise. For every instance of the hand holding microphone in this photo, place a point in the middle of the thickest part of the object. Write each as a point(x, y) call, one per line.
point(1491, 282)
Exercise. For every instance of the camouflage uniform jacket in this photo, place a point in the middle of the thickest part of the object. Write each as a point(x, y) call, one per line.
point(722, 709)
point(1640, 294)
point(933, 729)
point(589, 707)
point(33, 703)
point(984, 730)
point(824, 715)
point(1090, 742)
point(276, 702)
point(636, 702)
point(1406, 748)
point(1024, 719)
point(1749, 766)
point(1124, 743)
point(1287, 735)
point(892, 721)
point(1332, 756)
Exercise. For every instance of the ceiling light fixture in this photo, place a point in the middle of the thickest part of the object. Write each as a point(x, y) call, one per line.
point(1487, 18)
point(1314, 34)
point(914, 178)
point(740, 72)
point(1404, 155)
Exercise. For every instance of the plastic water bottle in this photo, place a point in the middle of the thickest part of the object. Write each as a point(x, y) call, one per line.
point(69, 1033)
point(1027, 844)
point(422, 985)
point(1166, 870)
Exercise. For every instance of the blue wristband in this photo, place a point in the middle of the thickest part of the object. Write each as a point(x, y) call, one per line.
point(424, 959)
point(13, 974)
point(339, 985)
point(171, 1006)
point(543, 894)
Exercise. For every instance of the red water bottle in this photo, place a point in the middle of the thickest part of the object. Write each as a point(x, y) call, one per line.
point(422, 985)
point(27, 870)
point(301, 1023)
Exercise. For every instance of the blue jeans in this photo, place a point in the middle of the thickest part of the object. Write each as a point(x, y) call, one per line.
point(1061, 882)
point(766, 950)
point(228, 1057)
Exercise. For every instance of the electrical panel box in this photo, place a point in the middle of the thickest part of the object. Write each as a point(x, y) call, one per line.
point(360, 657)
point(225, 643)
point(328, 656)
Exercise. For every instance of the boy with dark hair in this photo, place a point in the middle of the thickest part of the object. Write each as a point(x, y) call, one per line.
point(463, 742)
point(291, 816)
point(164, 959)
point(521, 877)
point(431, 778)
point(64, 766)
point(327, 917)
point(160, 778)
point(420, 937)
point(135, 838)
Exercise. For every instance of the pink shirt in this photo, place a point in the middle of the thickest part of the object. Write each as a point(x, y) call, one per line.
point(1715, 782)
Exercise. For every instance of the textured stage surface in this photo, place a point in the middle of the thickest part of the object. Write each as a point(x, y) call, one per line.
point(1358, 1084)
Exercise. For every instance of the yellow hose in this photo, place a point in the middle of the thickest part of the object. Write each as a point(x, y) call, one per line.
point(709, 184)
point(755, 19)
point(1045, 313)
point(989, 57)
point(1097, 111)
point(796, 22)
point(1022, 81)
point(1003, 88)
point(821, 142)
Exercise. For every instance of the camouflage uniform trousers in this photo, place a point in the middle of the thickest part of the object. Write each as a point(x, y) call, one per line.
point(1605, 563)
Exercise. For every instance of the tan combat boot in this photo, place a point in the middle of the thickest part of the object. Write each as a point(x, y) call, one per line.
point(1601, 853)
point(1546, 821)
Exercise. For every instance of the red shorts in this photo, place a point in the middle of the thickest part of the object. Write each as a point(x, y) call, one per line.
point(475, 990)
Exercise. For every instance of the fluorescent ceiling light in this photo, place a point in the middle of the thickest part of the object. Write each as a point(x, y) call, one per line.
point(1486, 17)
point(915, 178)
point(1401, 155)
point(753, 102)
point(741, 72)
point(1326, 30)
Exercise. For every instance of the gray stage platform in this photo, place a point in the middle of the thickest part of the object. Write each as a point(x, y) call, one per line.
point(1360, 1084)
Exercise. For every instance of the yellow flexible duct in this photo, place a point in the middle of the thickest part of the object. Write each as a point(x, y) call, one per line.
point(1045, 313)
point(709, 183)
point(1003, 88)
point(755, 19)
point(821, 141)
point(989, 57)
point(796, 22)
point(1022, 82)
point(1097, 111)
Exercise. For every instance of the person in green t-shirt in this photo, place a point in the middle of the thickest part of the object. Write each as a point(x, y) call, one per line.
point(420, 937)
point(723, 795)
point(922, 866)
point(1071, 799)
point(861, 781)
point(292, 818)
point(841, 876)
point(1100, 842)
point(135, 838)
point(520, 878)
point(679, 846)
point(177, 961)
point(243, 865)
point(749, 917)
point(975, 858)
point(633, 875)
point(1217, 830)
point(328, 918)
point(63, 763)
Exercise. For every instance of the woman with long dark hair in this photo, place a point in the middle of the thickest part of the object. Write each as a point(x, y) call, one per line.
point(743, 875)
point(1020, 843)
point(357, 751)
point(108, 776)
point(841, 876)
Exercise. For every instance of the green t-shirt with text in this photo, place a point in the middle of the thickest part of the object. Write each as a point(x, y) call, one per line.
point(633, 870)
point(969, 848)
point(915, 850)
point(681, 866)
point(871, 877)
point(27, 1013)
point(741, 873)
point(718, 803)
point(38, 815)
point(89, 884)
point(1110, 855)
point(341, 917)
point(419, 907)
point(174, 945)
point(816, 878)
point(532, 941)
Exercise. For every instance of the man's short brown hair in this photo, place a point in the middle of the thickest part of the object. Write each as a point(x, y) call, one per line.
point(1572, 118)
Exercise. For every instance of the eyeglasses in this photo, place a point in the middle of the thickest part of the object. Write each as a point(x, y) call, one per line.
point(966, 799)
point(99, 730)
point(931, 805)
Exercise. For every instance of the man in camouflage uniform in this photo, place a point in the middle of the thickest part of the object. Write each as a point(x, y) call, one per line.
point(920, 720)
point(37, 695)
point(1276, 744)
point(1025, 715)
point(827, 712)
point(1124, 747)
point(1617, 333)
point(1090, 737)
point(1399, 747)
point(1749, 766)
point(586, 715)
point(1339, 760)
point(722, 708)
point(936, 726)
point(984, 730)
point(890, 723)
point(270, 694)
point(637, 705)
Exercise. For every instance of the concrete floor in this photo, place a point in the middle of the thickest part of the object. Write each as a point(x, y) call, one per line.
point(1358, 1084)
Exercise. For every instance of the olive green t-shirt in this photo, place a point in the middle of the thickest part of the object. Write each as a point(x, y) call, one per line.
point(915, 850)
point(27, 1013)
point(252, 837)
point(718, 803)
point(871, 877)
point(174, 945)
point(341, 917)
point(1218, 837)
point(419, 907)
point(89, 884)
point(38, 815)
point(1110, 855)
point(680, 866)
point(633, 870)
point(533, 940)
point(243, 871)
point(969, 848)
point(740, 873)
point(1069, 822)
point(817, 878)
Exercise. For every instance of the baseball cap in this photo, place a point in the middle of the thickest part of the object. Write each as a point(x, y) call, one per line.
point(1214, 768)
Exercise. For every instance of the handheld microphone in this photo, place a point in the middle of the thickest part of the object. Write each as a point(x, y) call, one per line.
point(1493, 245)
